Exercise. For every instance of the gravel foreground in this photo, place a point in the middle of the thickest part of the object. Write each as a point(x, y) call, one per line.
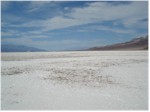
point(83, 80)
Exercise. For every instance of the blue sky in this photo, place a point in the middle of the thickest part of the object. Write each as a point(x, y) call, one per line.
point(63, 25)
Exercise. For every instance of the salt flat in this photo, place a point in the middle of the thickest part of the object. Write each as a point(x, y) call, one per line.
point(83, 80)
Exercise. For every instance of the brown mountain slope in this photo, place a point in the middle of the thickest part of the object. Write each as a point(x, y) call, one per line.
point(135, 44)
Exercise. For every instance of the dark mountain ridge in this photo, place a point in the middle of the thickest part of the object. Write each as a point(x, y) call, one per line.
point(135, 44)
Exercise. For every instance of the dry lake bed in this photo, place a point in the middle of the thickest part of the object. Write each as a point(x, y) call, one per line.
point(83, 80)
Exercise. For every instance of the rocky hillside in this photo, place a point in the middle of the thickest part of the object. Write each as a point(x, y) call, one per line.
point(135, 44)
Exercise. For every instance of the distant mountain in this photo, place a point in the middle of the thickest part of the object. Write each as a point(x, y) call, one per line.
point(19, 48)
point(135, 44)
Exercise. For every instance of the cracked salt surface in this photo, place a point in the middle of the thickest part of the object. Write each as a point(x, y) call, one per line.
point(85, 80)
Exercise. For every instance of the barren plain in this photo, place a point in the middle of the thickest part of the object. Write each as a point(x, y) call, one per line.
point(83, 80)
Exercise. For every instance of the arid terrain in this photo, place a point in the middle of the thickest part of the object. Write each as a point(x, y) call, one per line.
point(140, 43)
point(83, 80)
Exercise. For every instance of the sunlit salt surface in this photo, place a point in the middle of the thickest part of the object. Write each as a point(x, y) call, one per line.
point(83, 80)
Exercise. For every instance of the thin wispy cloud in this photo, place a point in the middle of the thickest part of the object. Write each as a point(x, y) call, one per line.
point(38, 5)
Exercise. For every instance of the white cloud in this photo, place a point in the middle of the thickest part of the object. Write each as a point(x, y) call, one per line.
point(106, 28)
point(10, 33)
point(92, 13)
point(29, 36)
point(115, 30)
point(103, 11)
point(135, 23)
point(37, 5)
point(5, 34)
point(22, 41)
point(20, 35)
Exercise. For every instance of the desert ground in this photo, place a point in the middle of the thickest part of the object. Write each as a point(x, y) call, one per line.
point(83, 80)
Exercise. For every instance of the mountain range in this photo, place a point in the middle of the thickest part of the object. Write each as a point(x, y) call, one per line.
point(140, 43)
point(19, 48)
